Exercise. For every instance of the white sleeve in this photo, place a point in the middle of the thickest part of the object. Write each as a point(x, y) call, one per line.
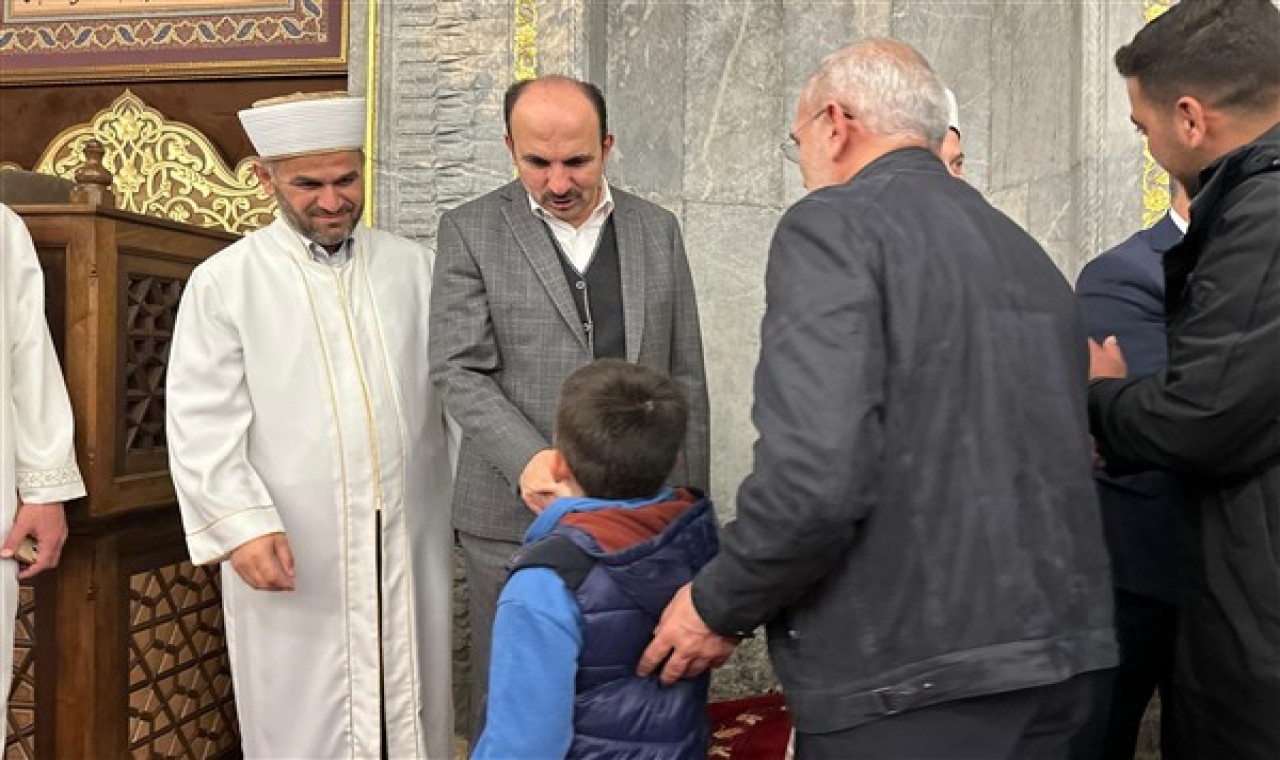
point(224, 502)
point(43, 434)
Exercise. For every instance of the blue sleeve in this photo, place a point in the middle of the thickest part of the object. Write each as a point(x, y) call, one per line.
point(537, 636)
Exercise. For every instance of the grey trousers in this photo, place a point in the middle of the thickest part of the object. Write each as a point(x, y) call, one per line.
point(485, 562)
point(1029, 724)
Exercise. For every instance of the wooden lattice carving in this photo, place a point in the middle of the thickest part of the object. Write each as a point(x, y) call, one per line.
point(151, 307)
point(164, 168)
point(180, 697)
point(20, 734)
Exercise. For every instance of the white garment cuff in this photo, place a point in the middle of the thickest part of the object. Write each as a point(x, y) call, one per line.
point(49, 486)
point(216, 540)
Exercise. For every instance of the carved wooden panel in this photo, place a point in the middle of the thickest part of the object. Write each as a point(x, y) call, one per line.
point(180, 698)
point(20, 733)
point(150, 306)
point(164, 168)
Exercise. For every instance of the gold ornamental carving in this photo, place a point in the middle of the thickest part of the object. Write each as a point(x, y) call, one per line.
point(1155, 180)
point(164, 168)
point(525, 42)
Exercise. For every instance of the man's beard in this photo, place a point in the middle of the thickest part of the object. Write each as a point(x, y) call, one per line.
point(324, 238)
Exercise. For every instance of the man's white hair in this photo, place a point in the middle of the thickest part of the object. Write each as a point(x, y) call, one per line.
point(886, 84)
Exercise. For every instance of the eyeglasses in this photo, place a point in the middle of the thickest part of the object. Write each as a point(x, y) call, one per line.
point(790, 147)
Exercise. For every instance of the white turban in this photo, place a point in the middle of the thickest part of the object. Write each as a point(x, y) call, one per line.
point(305, 124)
point(953, 111)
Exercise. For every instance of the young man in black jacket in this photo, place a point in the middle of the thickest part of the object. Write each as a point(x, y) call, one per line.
point(1204, 86)
point(920, 531)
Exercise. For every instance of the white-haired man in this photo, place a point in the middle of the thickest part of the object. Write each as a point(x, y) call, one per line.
point(310, 456)
point(919, 531)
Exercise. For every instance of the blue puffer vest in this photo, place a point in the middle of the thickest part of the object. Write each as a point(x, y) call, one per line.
point(618, 715)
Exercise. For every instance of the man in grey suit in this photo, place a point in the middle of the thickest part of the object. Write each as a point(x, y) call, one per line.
point(532, 281)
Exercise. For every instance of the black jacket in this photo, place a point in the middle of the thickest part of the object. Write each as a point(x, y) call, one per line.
point(1213, 416)
point(920, 524)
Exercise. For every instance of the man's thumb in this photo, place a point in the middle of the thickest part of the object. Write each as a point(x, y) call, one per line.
point(285, 555)
point(11, 541)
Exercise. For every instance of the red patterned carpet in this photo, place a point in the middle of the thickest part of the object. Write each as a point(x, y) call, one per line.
point(755, 728)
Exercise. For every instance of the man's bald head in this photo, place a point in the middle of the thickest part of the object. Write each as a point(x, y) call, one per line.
point(556, 87)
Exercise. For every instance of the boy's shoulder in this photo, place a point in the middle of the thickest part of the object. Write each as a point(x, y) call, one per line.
point(558, 552)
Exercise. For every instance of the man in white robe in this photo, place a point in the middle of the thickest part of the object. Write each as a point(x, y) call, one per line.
point(38, 469)
point(310, 455)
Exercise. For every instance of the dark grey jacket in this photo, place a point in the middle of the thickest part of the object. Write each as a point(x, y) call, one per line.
point(1213, 417)
point(920, 524)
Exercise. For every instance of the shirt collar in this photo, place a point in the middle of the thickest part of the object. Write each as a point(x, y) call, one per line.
point(317, 252)
point(1178, 221)
point(336, 259)
point(602, 209)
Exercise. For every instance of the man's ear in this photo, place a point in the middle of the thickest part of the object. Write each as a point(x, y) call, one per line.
point(843, 130)
point(1192, 121)
point(264, 177)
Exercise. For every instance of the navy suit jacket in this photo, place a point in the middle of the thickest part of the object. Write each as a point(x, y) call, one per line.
point(1121, 293)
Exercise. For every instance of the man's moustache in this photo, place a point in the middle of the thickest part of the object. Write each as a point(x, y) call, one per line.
point(343, 210)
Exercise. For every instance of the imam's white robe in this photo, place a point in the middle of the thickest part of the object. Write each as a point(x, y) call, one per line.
point(37, 447)
point(298, 398)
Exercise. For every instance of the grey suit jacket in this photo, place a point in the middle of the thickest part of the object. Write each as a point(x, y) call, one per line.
point(505, 334)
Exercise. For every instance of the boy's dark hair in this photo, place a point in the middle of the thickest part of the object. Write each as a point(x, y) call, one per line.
point(590, 90)
point(1225, 53)
point(619, 427)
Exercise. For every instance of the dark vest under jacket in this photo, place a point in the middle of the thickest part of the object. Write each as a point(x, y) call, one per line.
point(618, 715)
point(598, 295)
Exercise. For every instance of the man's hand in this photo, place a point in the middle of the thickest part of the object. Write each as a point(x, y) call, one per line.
point(1106, 360)
point(46, 524)
point(692, 647)
point(265, 563)
point(538, 487)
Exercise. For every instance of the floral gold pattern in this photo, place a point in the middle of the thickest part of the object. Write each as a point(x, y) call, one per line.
point(164, 168)
point(1155, 180)
point(174, 30)
point(125, 40)
point(525, 43)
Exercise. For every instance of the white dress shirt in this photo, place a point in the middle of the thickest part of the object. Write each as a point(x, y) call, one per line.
point(578, 244)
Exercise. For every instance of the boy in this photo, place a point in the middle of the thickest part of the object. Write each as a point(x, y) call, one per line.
point(595, 572)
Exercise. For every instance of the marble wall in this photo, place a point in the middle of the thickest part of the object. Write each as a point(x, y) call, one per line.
point(701, 93)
